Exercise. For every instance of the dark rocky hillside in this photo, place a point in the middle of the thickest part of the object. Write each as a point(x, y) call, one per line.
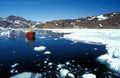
point(111, 20)
point(14, 22)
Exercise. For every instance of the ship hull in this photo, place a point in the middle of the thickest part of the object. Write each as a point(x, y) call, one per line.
point(30, 34)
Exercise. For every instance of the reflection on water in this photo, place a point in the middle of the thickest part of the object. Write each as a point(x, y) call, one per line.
point(30, 39)
point(17, 55)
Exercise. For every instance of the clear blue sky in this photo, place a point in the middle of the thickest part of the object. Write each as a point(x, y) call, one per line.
point(46, 10)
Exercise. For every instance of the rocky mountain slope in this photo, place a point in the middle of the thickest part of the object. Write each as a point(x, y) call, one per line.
point(111, 20)
point(14, 22)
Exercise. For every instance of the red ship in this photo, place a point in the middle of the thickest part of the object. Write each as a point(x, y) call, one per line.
point(30, 34)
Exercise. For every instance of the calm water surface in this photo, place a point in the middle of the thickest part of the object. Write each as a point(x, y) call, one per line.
point(16, 49)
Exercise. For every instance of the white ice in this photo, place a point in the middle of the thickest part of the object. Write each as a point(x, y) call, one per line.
point(89, 75)
point(108, 37)
point(47, 52)
point(42, 37)
point(14, 65)
point(27, 75)
point(63, 73)
point(40, 48)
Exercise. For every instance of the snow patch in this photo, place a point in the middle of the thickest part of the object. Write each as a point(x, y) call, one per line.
point(56, 24)
point(78, 20)
point(100, 25)
point(101, 18)
point(91, 18)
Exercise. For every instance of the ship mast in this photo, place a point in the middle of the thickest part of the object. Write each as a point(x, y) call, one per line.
point(30, 27)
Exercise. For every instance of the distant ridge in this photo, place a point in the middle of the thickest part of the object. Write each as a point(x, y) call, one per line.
point(110, 20)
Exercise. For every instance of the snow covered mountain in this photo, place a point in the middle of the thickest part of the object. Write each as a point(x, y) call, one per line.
point(14, 22)
point(111, 20)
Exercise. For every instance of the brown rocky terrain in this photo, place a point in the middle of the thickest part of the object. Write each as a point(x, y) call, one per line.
point(111, 20)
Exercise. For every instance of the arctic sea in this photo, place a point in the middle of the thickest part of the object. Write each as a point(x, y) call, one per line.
point(50, 54)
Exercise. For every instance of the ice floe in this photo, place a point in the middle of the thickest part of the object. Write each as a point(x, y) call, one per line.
point(63, 73)
point(90, 75)
point(23, 75)
point(47, 52)
point(55, 38)
point(14, 65)
point(70, 75)
point(40, 48)
point(108, 37)
point(42, 37)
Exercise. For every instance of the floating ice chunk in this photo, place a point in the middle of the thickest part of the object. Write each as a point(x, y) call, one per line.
point(55, 38)
point(38, 75)
point(49, 64)
point(59, 66)
point(23, 75)
point(95, 49)
point(40, 48)
point(14, 51)
point(63, 73)
point(1, 64)
point(27, 75)
point(13, 71)
point(45, 61)
point(90, 75)
point(71, 75)
point(115, 65)
point(14, 65)
point(47, 52)
point(67, 63)
point(42, 37)
point(112, 63)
